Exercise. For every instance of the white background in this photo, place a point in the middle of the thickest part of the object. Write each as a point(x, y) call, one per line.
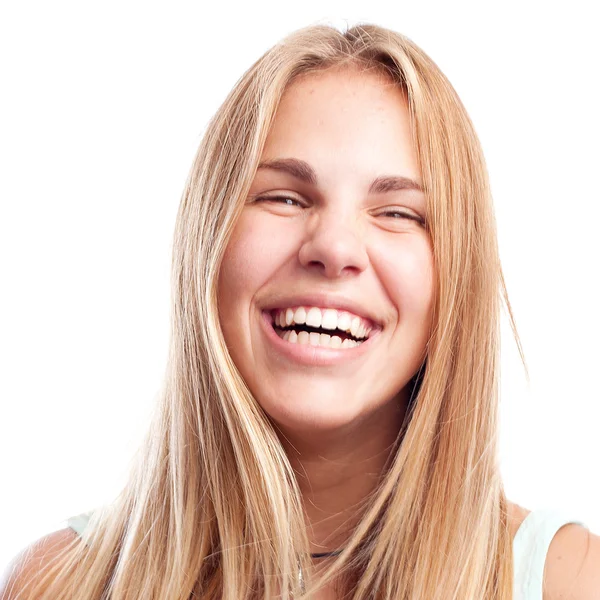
point(102, 108)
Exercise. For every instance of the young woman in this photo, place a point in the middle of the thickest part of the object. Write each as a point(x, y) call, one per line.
point(329, 422)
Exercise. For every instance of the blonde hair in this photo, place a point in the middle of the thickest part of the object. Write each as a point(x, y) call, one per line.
point(212, 508)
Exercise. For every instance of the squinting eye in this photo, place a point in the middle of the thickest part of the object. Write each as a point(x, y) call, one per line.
point(403, 215)
point(279, 200)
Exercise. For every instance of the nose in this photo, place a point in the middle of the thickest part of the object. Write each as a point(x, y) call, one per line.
point(334, 244)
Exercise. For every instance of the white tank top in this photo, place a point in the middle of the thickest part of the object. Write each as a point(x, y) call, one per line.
point(530, 547)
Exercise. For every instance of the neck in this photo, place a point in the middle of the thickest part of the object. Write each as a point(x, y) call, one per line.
point(338, 471)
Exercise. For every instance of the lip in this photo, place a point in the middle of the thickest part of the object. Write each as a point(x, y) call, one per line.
point(314, 355)
point(324, 300)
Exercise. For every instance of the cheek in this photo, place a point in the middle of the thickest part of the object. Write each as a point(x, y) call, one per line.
point(241, 261)
point(408, 275)
point(239, 276)
point(254, 253)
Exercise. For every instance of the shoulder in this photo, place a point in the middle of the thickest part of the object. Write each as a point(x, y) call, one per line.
point(572, 567)
point(572, 570)
point(31, 563)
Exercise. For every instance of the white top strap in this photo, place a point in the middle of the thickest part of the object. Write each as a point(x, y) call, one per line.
point(79, 523)
point(530, 548)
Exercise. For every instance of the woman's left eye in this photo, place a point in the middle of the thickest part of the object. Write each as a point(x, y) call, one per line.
point(399, 214)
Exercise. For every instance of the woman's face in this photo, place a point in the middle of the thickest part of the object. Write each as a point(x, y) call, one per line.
point(331, 239)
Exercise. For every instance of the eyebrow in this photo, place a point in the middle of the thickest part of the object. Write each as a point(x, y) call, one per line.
point(304, 172)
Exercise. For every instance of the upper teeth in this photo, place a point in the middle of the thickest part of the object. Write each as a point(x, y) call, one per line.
point(327, 318)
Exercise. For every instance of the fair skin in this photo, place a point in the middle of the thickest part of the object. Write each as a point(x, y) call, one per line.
point(338, 420)
point(338, 410)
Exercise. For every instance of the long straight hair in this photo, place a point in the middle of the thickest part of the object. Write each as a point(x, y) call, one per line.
point(212, 509)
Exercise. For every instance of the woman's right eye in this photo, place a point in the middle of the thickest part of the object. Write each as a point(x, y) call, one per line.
point(280, 200)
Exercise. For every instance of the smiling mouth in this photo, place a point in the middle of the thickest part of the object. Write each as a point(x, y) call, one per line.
point(303, 334)
point(316, 338)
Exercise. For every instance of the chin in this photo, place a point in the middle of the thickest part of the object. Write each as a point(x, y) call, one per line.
point(317, 413)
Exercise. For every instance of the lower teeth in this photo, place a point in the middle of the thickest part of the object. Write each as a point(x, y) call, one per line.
point(316, 339)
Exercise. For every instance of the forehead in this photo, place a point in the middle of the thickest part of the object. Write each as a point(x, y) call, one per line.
point(341, 91)
point(340, 74)
point(344, 121)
